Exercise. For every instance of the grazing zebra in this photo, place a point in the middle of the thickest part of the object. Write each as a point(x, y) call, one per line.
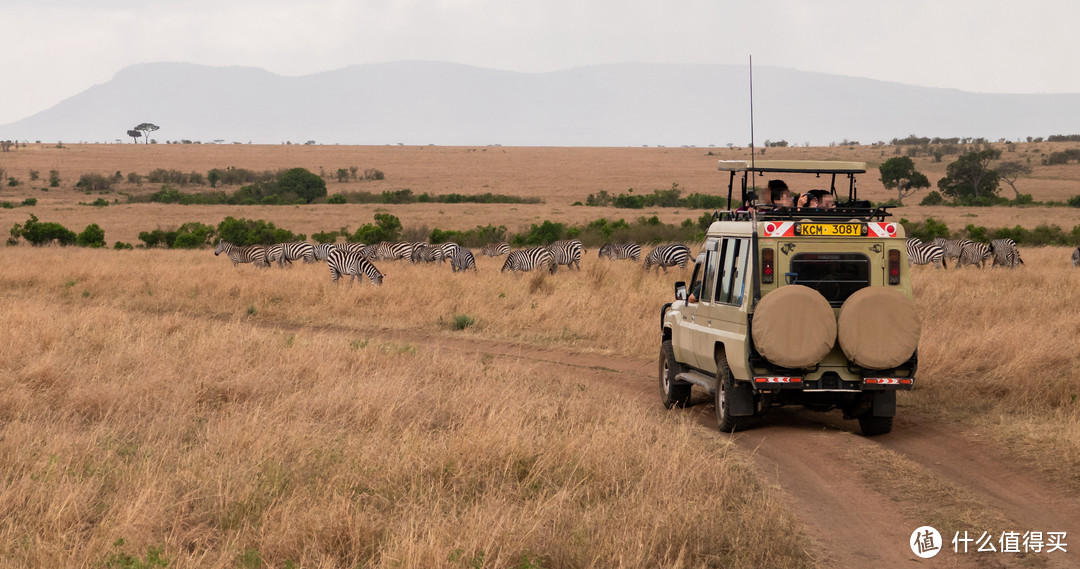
point(463, 260)
point(974, 254)
point(323, 250)
point(952, 247)
point(352, 264)
point(449, 249)
point(919, 253)
point(529, 259)
point(1005, 253)
point(630, 251)
point(567, 253)
point(255, 254)
point(496, 249)
point(288, 252)
point(667, 256)
point(1076, 257)
point(427, 253)
point(391, 251)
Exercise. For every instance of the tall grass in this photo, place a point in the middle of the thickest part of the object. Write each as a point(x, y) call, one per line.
point(139, 401)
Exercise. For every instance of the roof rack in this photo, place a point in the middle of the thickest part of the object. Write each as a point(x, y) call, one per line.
point(851, 207)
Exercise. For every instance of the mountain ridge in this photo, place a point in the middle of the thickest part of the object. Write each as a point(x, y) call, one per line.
point(624, 104)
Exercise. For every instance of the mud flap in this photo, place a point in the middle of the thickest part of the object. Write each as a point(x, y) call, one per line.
point(741, 399)
point(884, 404)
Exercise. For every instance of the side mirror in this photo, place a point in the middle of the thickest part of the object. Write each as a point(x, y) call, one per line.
point(680, 290)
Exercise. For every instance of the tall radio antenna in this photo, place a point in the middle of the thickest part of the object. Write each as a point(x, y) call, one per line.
point(751, 111)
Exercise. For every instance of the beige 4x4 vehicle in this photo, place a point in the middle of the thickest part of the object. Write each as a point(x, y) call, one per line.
point(795, 306)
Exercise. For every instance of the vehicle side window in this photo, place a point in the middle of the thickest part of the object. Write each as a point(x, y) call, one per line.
point(723, 286)
point(711, 262)
point(739, 285)
point(695, 279)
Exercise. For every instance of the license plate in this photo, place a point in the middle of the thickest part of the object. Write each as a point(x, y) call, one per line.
point(829, 229)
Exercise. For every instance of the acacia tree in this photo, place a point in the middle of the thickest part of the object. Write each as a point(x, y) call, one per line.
point(134, 134)
point(1010, 171)
point(146, 129)
point(971, 175)
point(899, 173)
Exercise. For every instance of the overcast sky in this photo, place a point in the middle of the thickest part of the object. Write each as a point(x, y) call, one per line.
point(55, 49)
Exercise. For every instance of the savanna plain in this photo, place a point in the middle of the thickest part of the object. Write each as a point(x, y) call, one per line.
point(164, 407)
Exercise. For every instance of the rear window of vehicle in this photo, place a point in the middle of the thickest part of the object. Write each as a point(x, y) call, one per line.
point(835, 275)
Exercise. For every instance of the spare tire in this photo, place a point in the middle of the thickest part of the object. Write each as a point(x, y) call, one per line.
point(794, 326)
point(878, 328)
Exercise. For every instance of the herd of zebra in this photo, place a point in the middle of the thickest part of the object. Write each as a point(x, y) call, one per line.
point(356, 259)
point(1001, 252)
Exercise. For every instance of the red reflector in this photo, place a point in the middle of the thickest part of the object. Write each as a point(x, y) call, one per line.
point(888, 380)
point(778, 380)
point(768, 270)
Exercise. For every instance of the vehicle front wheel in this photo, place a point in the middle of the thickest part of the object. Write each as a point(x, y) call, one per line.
point(673, 393)
point(725, 386)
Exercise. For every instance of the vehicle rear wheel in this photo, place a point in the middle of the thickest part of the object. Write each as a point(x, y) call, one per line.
point(673, 393)
point(725, 385)
point(871, 425)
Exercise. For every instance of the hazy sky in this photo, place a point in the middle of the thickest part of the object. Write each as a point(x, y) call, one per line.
point(55, 49)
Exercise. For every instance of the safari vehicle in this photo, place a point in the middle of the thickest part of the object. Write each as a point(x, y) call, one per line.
point(791, 306)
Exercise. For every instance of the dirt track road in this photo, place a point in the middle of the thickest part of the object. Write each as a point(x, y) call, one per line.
point(851, 523)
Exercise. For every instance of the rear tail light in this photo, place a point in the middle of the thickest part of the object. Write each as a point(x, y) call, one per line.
point(767, 268)
point(894, 266)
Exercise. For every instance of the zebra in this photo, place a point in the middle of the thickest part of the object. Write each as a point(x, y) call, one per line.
point(630, 251)
point(353, 264)
point(974, 254)
point(288, 252)
point(496, 249)
point(426, 253)
point(1005, 253)
point(1076, 257)
point(529, 259)
point(567, 253)
point(952, 247)
point(920, 253)
point(667, 256)
point(462, 260)
point(449, 249)
point(323, 250)
point(387, 250)
point(255, 254)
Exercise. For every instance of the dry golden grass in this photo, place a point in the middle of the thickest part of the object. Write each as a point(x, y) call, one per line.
point(139, 400)
point(560, 176)
point(998, 351)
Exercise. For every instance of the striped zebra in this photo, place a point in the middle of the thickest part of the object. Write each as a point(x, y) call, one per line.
point(667, 256)
point(286, 253)
point(529, 259)
point(567, 253)
point(426, 253)
point(496, 249)
point(255, 254)
point(1076, 257)
point(617, 251)
point(919, 253)
point(353, 264)
point(974, 254)
point(323, 250)
point(449, 249)
point(463, 260)
point(392, 251)
point(1005, 253)
point(951, 247)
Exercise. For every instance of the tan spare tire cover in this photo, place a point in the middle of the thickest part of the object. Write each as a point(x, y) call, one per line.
point(879, 328)
point(794, 326)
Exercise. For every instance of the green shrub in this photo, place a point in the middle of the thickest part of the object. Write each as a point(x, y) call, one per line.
point(1073, 201)
point(252, 232)
point(336, 199)
point(29, 201)
point(122, 245)
point(12, 182)
point(42, 233)
point(463, 321)
point(94, 183)
point(386, 228)
point(299, 181)
point(933, 198)
point(93, 236)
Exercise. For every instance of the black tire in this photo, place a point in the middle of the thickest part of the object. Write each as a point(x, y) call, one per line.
point(673, 393)
point(871, 425)
point(725, 383)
